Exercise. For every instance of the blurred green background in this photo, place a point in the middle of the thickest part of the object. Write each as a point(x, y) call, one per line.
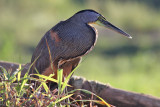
point(130, 64)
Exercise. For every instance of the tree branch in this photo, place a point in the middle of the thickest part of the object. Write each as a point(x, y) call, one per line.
point(116, 97)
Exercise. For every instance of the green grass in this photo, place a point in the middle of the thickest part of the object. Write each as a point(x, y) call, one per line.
point(18, 91)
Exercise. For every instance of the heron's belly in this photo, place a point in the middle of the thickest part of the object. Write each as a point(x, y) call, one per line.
point(75, 49)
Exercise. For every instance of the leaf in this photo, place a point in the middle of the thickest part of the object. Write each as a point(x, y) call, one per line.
point(5, 74)
point(26, 75)
point(89, 92)
point(45, 86)
point(13, 76)
point(22, 85)
point(60, 75)
point(49, 78)
point(63, 98)
point(67, 79)
point(46, 77)
point(19, 73)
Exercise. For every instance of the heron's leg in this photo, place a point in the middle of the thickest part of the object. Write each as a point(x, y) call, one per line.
point(51, 69)
point(69, 66)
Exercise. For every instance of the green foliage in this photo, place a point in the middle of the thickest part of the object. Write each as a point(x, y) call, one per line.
point(103, 102)
point(16, 91)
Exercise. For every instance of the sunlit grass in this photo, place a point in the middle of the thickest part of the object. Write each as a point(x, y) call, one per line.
point(20, 91)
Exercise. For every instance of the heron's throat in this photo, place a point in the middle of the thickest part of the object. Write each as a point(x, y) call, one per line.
point(91, 25)
point(95, 30)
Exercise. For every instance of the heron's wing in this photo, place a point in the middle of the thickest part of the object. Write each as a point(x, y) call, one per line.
point(40, 57)
point(76, 41)
point(41, 52)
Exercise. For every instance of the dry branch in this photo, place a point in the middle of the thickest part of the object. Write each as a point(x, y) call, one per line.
point(116, 97)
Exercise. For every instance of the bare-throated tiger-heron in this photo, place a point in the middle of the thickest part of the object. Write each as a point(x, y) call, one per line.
point(63, 46)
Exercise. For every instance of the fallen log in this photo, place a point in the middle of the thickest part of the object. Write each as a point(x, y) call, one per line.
point(114, 96)
point(10, 67)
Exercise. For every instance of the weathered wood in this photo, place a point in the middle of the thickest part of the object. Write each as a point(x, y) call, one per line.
point(116, 97)
point(13, 67)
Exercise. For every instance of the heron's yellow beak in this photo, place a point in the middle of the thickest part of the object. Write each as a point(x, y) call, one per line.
point(103, 22)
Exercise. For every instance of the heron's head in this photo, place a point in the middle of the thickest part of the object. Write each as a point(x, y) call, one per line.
point(91, 16)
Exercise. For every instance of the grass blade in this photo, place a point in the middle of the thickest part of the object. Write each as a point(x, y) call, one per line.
point(5, 73)
point(19, 73)
point(47, 77)
point(89, 92)
point(60, 76)
point(45, 86)
point(67, 79)
point(63, 98)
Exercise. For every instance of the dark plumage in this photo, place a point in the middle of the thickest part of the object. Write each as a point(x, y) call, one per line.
point(68, 41)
